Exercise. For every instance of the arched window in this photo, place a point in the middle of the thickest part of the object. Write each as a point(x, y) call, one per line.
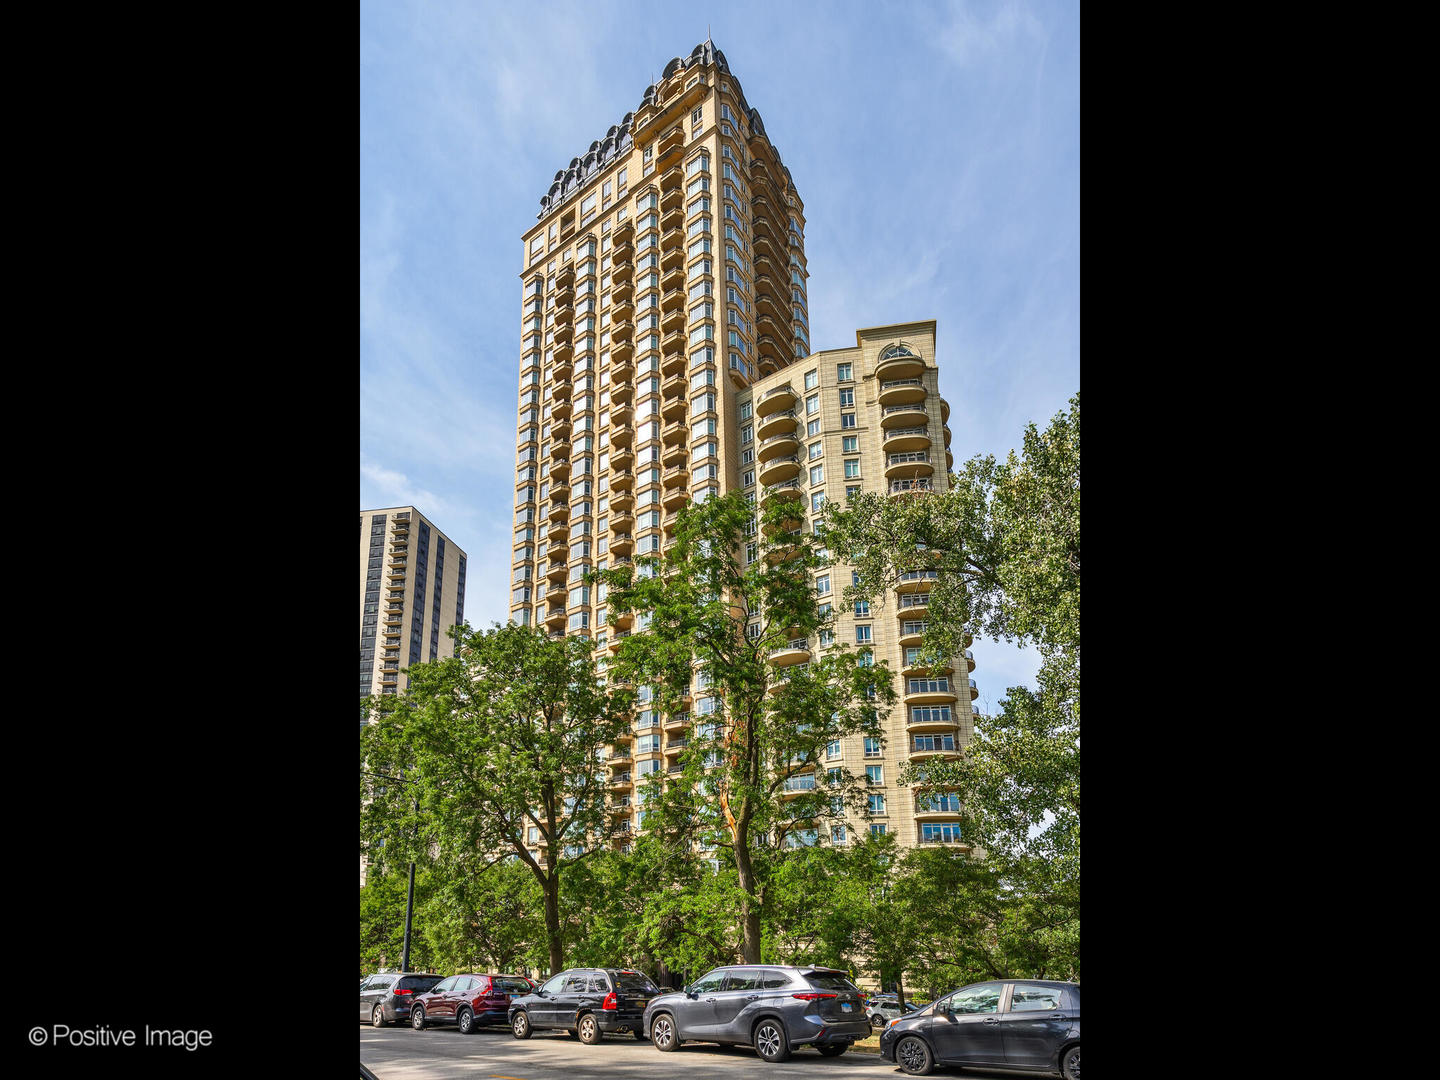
point(898, 350)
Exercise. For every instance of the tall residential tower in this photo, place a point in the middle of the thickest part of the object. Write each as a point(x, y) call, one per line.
point(412, 589)
point(665, 357)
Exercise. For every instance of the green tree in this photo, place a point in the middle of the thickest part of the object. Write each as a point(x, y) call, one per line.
point(719, 614)
point(1004, 543)
point(503, 737)
point(491, 921)
point(382, 919)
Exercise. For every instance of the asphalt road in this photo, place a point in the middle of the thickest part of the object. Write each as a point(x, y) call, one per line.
point(442, 1053)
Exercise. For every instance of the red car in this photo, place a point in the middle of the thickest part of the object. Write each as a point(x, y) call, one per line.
point(468, 1001)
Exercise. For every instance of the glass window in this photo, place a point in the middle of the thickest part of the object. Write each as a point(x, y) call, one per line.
point(847, 397)
point(709, 983)
point(984, 998)
point(843, 372)
point(746, 979)
point(812, 379)
point(1028, 998)
point(847, 420)
point(553, 985)
point(817, 473)
point(812, 404)
point(444, 985)
point(774, 980)
point(812, 429)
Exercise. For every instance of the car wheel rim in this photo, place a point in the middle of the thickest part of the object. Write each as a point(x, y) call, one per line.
point(769, 1041)
point(417, 1018)
point(519, 1025)
point(465, 1023)
point(376, 1016)
point(587, 1028)
point(912, 1055)
point(662, 1033)
point(1075, 1066)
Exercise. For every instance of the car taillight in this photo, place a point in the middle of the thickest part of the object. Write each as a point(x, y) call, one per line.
point(609, 1002)
point(404, 991)
point(813, 997)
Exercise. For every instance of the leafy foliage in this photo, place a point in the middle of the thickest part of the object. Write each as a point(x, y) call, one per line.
point(503, 737)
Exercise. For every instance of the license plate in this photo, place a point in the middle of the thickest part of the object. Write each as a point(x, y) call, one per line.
point(845, 1006)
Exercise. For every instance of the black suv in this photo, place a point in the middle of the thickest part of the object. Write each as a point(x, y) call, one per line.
point(587, 1002)
point(768, 1006)
point(387, 996)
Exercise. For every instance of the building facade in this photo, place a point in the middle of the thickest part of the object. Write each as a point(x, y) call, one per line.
point(412, 590)
point(665, 357)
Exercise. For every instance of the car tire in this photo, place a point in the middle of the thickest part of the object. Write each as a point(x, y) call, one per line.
point(1070, 1064)
point(912, 1055)
point(833, 1049)
point(771, 1042)
point(877, 1022)
point(520, 1025)
point(589, 1029)
point(417, 1017)
point(465, 1021)
point(663, 1034)
point(377, 1016)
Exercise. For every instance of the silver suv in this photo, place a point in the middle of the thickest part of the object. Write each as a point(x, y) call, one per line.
point(768, 1006)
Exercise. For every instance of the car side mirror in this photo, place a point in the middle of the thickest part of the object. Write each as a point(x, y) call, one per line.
point(690, 992)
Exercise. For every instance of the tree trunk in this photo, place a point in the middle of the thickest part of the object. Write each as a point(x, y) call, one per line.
point(900, 991)
point(551, 883)
point(749, 906)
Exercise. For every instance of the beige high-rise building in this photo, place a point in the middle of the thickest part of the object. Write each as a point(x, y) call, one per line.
point(412, 590)
point(665, 357)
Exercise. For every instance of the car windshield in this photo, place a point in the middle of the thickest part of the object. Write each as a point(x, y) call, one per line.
point(502, 985)
point(830, 980)
point(634, 980)
point(418, 982)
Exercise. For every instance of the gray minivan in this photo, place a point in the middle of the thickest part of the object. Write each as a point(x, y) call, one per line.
point(386, 997)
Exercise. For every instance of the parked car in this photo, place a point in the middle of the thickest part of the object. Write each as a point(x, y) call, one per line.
point(768, 1006)
point(468, 1001)
point(1032, 1025)
point(881, 1010)
point(588, 1002)
point(386, 997)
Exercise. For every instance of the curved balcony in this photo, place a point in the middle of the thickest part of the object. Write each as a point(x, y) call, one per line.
point(674, 434)
point(939, 691)
point(970, 664)
point(621, 479)
point(931, 725)
point(677, 476)
point(559, 451)
point(621, 250)
point(905, 439)
point(902, 392)
point(672, 256)
point(776, 423)
point(913, 463)
point(777, 398)
point(559, 468)
point(622, 394)
point(621, 457)
point(557, 531)
point(622, 620)
point(674, 407)
point(621, 308)
point(899, 367)
point(911, 487)
point(564, 353)
point(679, 722)
point(674, 361)
point(675, 499)
point(555, 618)
point(673, 278)
point(945, 416)
point(784, 490)
point(974, 690)
point(562, 409)
point(556, 572)
point(564, 335)
point(675, 453)
point(913, 581)
point(793, 652)
point(560, 429)
point(622, 543)
point(779, 469)
point(898, 416)
point(913, 606)
point(675, 384)
point(621, 781)
point(672, 320)
point(788, 792)
point(672, 185)
point(566, 275)
point(784, 444)
point(622, 415)
point(621, 520)
point(926, 755)
point(925, 811)
point(673, 139)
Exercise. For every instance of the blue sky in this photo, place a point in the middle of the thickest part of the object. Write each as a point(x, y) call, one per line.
point(936, 147)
